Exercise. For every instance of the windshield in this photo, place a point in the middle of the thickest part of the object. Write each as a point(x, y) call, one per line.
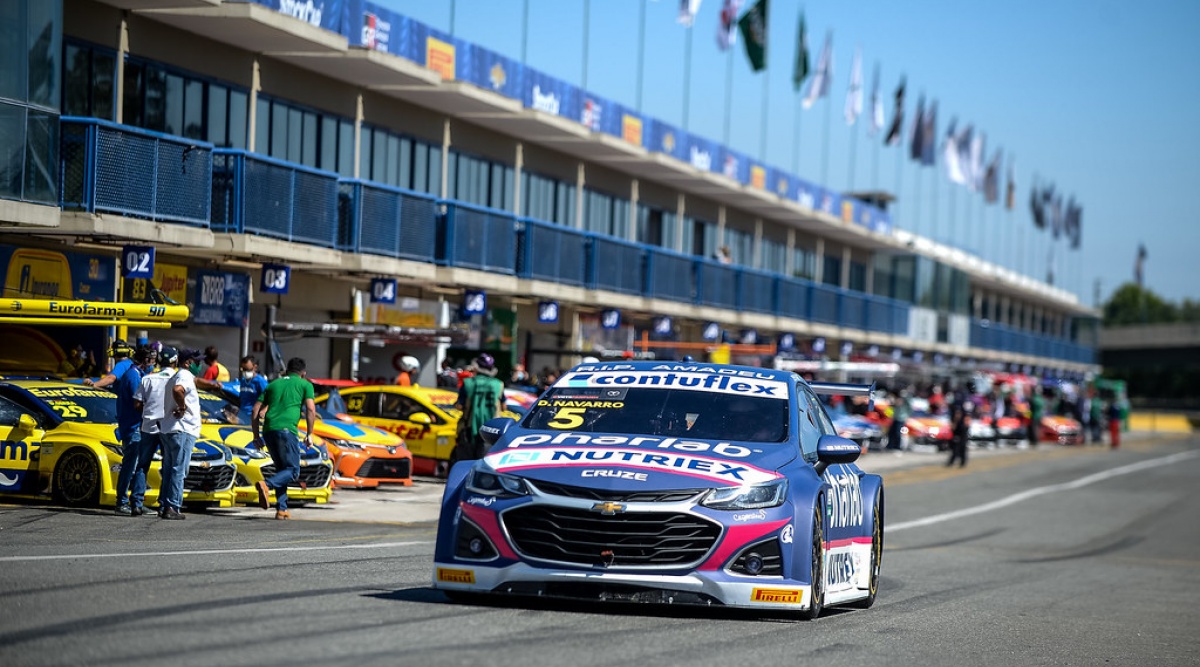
point(80, 404)
point(661, 412)
point(216, 410)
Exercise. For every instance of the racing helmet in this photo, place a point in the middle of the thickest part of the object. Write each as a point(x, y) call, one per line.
point(408, 363)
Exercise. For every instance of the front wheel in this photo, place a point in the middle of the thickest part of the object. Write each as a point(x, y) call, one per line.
point(876, 554)
point(77, 479)
point(816, 602)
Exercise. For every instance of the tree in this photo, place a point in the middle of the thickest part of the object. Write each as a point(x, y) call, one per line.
point(1132, 304)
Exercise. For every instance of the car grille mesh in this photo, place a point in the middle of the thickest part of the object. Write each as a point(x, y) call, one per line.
point(385, 469)
point(216, 478)
point(633, 539)
point(311, 476)
point(674, 496)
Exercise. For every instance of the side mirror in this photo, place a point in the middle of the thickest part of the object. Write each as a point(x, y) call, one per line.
point(494, 429)
point(420, 418)
point(26, 424)
point(836, 449)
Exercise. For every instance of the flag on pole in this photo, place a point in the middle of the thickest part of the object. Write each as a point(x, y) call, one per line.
point(1139, 264)
point(854, 94)
point(991, 180)
point(727, 30)
point(876, 105)
point(1010, 193)
point(897, 128)
point(1056, 216)
point(1036, 210)
point(818, 86)
point(963, 143)
point(976, 171)
point(929, 136)
point(950, 153)
point(917, 138)
point(687, 12)
point(800, 71)
point(1073, 221)
point(753, 26)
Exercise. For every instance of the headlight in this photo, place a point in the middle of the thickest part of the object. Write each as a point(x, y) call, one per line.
point(347, 444)
point(443, 440)
point(249, 453)
point(747, 497)
point(496, 484)
point(115, 448)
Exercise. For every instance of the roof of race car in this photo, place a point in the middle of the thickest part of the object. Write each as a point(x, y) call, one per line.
point(686, 367)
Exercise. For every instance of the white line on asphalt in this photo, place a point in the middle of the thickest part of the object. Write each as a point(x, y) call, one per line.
point(208, 552)
point(1042, 490)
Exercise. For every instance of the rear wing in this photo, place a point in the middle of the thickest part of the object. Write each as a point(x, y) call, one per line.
point(843, 389)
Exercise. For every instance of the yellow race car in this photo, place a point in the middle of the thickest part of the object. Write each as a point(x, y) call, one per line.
point(426, 418)
point(220, 423)
point(59, 439)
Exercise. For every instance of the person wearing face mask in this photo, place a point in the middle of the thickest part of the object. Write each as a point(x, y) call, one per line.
point(136, 453)
point(250, 387)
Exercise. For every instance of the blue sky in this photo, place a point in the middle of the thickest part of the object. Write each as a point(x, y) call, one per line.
point(1099, 97)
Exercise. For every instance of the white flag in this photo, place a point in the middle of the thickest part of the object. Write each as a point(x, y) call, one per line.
point(687, 12)
point(727, 28)
point(976, 171)
point(854, 94)
point(963, 143)
point(876, 106)
point(950, 156)
point(818, 86)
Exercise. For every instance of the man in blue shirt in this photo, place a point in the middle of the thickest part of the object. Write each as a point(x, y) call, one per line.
point(120, 352)
point(250, 386)
point(135, 455)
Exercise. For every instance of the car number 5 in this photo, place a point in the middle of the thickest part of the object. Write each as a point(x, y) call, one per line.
point(567, 418)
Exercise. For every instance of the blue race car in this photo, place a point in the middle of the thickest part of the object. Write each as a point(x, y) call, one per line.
point(669, 483)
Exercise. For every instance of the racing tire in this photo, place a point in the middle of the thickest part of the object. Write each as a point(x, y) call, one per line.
point(817, 567)
point(876, 555)
point(77, 479)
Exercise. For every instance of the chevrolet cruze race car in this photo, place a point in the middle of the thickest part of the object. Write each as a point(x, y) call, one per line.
point(670, 483)
point(60, 439)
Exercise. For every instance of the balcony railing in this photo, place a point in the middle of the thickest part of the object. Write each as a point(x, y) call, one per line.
point(118, 169)
point(254, 194)
point(111, 168)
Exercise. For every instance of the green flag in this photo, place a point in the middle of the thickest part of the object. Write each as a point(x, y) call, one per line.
point(800, 73)
point(753, 26)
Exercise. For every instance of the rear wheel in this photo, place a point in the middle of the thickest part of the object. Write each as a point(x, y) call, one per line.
point(876, 554)
point(816, 600)
point(77, 479)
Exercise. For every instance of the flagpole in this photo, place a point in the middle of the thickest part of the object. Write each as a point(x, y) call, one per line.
point(853, 154)
point(934, 200)
point(525, 33)
point(917, 199)
point(825, 149)
point(641, 70)
point(587, 13)
point(796, 137)
point(687, 73)
point(728, 93)
point(950, 235)
point(899, 179)
point(762, 129)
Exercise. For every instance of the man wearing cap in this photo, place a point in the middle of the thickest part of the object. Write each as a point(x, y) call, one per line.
point(151, 399)
point(480, 398)
point(135, 460)
point(276, 415)
point(120, 352)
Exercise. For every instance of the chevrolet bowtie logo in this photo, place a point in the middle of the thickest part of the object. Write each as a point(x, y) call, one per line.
point(608, 508)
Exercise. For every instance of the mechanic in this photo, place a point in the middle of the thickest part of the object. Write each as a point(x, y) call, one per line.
point(276, 414)
point(960, 428)
point(1036, 407)
point(251, 385)
point(480, 398)
point(120, 352)
point(409, 367)
point(901, 411)
point(180, 429)
point(150, 398)
point(135, 459)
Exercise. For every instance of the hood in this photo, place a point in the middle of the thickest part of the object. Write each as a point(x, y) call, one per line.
point(618, 462)
point(359, 433)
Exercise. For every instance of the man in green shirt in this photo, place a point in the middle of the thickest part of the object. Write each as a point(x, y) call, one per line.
point(1037, 407)
point(276, 416)
point(480, 398)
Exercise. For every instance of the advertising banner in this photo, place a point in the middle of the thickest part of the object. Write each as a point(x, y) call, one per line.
point(325, 14)
point(171, 279)
point(221, 299)
point(37, 273)
point(549, 95)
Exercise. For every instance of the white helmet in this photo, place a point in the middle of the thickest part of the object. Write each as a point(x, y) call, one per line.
point(590, 360)
point(408, 363)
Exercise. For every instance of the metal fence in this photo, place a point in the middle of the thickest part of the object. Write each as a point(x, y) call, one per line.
point(670, 275)
point(253, 194)
point(993, 336)
point(382, 220)
point(618, 266)
point(552, 252)
point(480, 238)
point(111, 168)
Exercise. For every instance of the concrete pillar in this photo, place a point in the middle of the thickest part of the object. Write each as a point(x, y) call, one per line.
point(518, 175)
point(870, 286)
point(580, 182)
point(844, 280)
point(122, 52)
point(359, 115)
point(445, 159)
point(819, 261)
point(758, 238)
point(634, 198)
point(252, 116)
point(789, 258)
point(680, 214)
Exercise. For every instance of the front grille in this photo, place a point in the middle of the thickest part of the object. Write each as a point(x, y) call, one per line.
point(385, 469)
point(623, 540)
point(311, 476)
point(617, 496)
point(206, 480)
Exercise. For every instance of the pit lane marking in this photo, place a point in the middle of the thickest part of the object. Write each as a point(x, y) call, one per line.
point(214, 552)
point(1043, 490)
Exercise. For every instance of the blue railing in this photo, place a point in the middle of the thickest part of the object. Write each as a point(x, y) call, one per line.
point(128, 171)
point(111, 168)
point(254, 194)
point(1006, 339)
point(378, 219)
point(479, 238)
